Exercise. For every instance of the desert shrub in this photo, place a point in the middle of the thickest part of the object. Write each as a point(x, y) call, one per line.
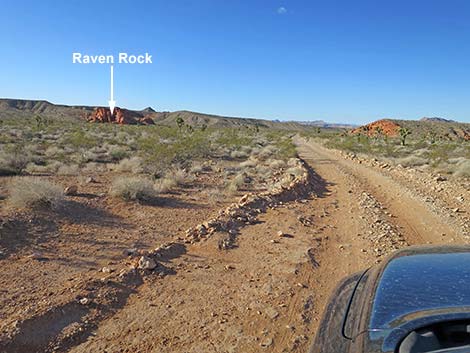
point(93, 167)
point(249, 163)
point(165, 185)
point(293, 162)
point(267, 152)
point(232, 187)
point(31, 193)
point(133, 188)
point(179, 176)
point(33, 168)
point(411, 161)
point(53, 151)
point(197, 168)
point(14, 163)
point(264, 171)
point(72, 169)
point(231, 170)
point(276, 164)
point(91, 156)
point(132, 165)
point(463, 169)
point(117, 153)
point(238, 154)
point(236, 183)
point(214, 196)
point(296, 171)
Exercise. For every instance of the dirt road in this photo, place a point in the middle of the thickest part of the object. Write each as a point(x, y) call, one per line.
point(268, 293)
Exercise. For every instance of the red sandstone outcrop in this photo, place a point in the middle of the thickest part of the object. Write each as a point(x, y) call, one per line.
point(385, 127)
point(120, 116)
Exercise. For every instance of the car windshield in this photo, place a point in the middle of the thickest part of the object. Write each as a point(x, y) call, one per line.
point(418, 283)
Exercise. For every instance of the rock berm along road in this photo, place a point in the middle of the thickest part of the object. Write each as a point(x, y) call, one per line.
point(268, 294)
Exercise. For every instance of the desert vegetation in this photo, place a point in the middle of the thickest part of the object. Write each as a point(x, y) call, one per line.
point(427, 146)
point(143, 162)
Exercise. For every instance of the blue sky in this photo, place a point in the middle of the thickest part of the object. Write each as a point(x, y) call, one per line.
point(340, 61)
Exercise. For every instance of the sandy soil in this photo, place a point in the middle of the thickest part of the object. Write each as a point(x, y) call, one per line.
point(266, 294)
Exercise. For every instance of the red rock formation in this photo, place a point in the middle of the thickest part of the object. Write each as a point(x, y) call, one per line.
point(386, 127)
point(120, 116)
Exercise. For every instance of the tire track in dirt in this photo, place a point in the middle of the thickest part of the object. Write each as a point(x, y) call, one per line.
point(419, 225)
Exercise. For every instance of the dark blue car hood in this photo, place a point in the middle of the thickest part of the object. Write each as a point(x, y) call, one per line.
point(418, 285)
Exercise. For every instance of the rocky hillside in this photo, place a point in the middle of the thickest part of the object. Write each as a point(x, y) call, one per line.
point(17, 108)
point(438, 127)
point(384, 127)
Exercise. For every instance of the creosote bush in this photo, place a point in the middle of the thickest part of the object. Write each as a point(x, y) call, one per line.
point(133, 188)
point(34, 192)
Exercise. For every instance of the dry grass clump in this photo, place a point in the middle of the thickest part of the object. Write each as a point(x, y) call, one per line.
point(179, 176)
point(50, 168)
point(116, 153)
point(33, 168)
point(267, 152)
point(173, 178)
point(197, 168)
point(133, 188)
point(249, 163)
point(264, 171)
point(293, 162)
point(165, 185)
point(53, 151)
point(463, 169)
point(92, 167)
point(238, 154)
point(32, 193)
point(13, 163)
point(276, 164)
point(236, 183)
point(295, 171)
point(132, 165)
point(411, 161)
point(214, 196)
point(72, 169)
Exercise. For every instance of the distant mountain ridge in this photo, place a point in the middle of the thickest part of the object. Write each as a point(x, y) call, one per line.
point(24, 108)
point(324, 124)
point(437, 119)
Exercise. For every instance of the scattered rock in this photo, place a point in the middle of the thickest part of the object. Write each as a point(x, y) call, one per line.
point(85, 301)
point(130, 252)
point(440, 178)
point(107, 270)
point(146, 263)
point(37, 256)
point(71, 190)
point(267, 342)
point(271, 313)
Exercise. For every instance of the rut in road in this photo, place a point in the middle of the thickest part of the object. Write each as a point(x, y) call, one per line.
point(268, 293)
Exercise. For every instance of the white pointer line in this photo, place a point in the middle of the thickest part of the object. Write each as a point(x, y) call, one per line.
point(112, 102)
